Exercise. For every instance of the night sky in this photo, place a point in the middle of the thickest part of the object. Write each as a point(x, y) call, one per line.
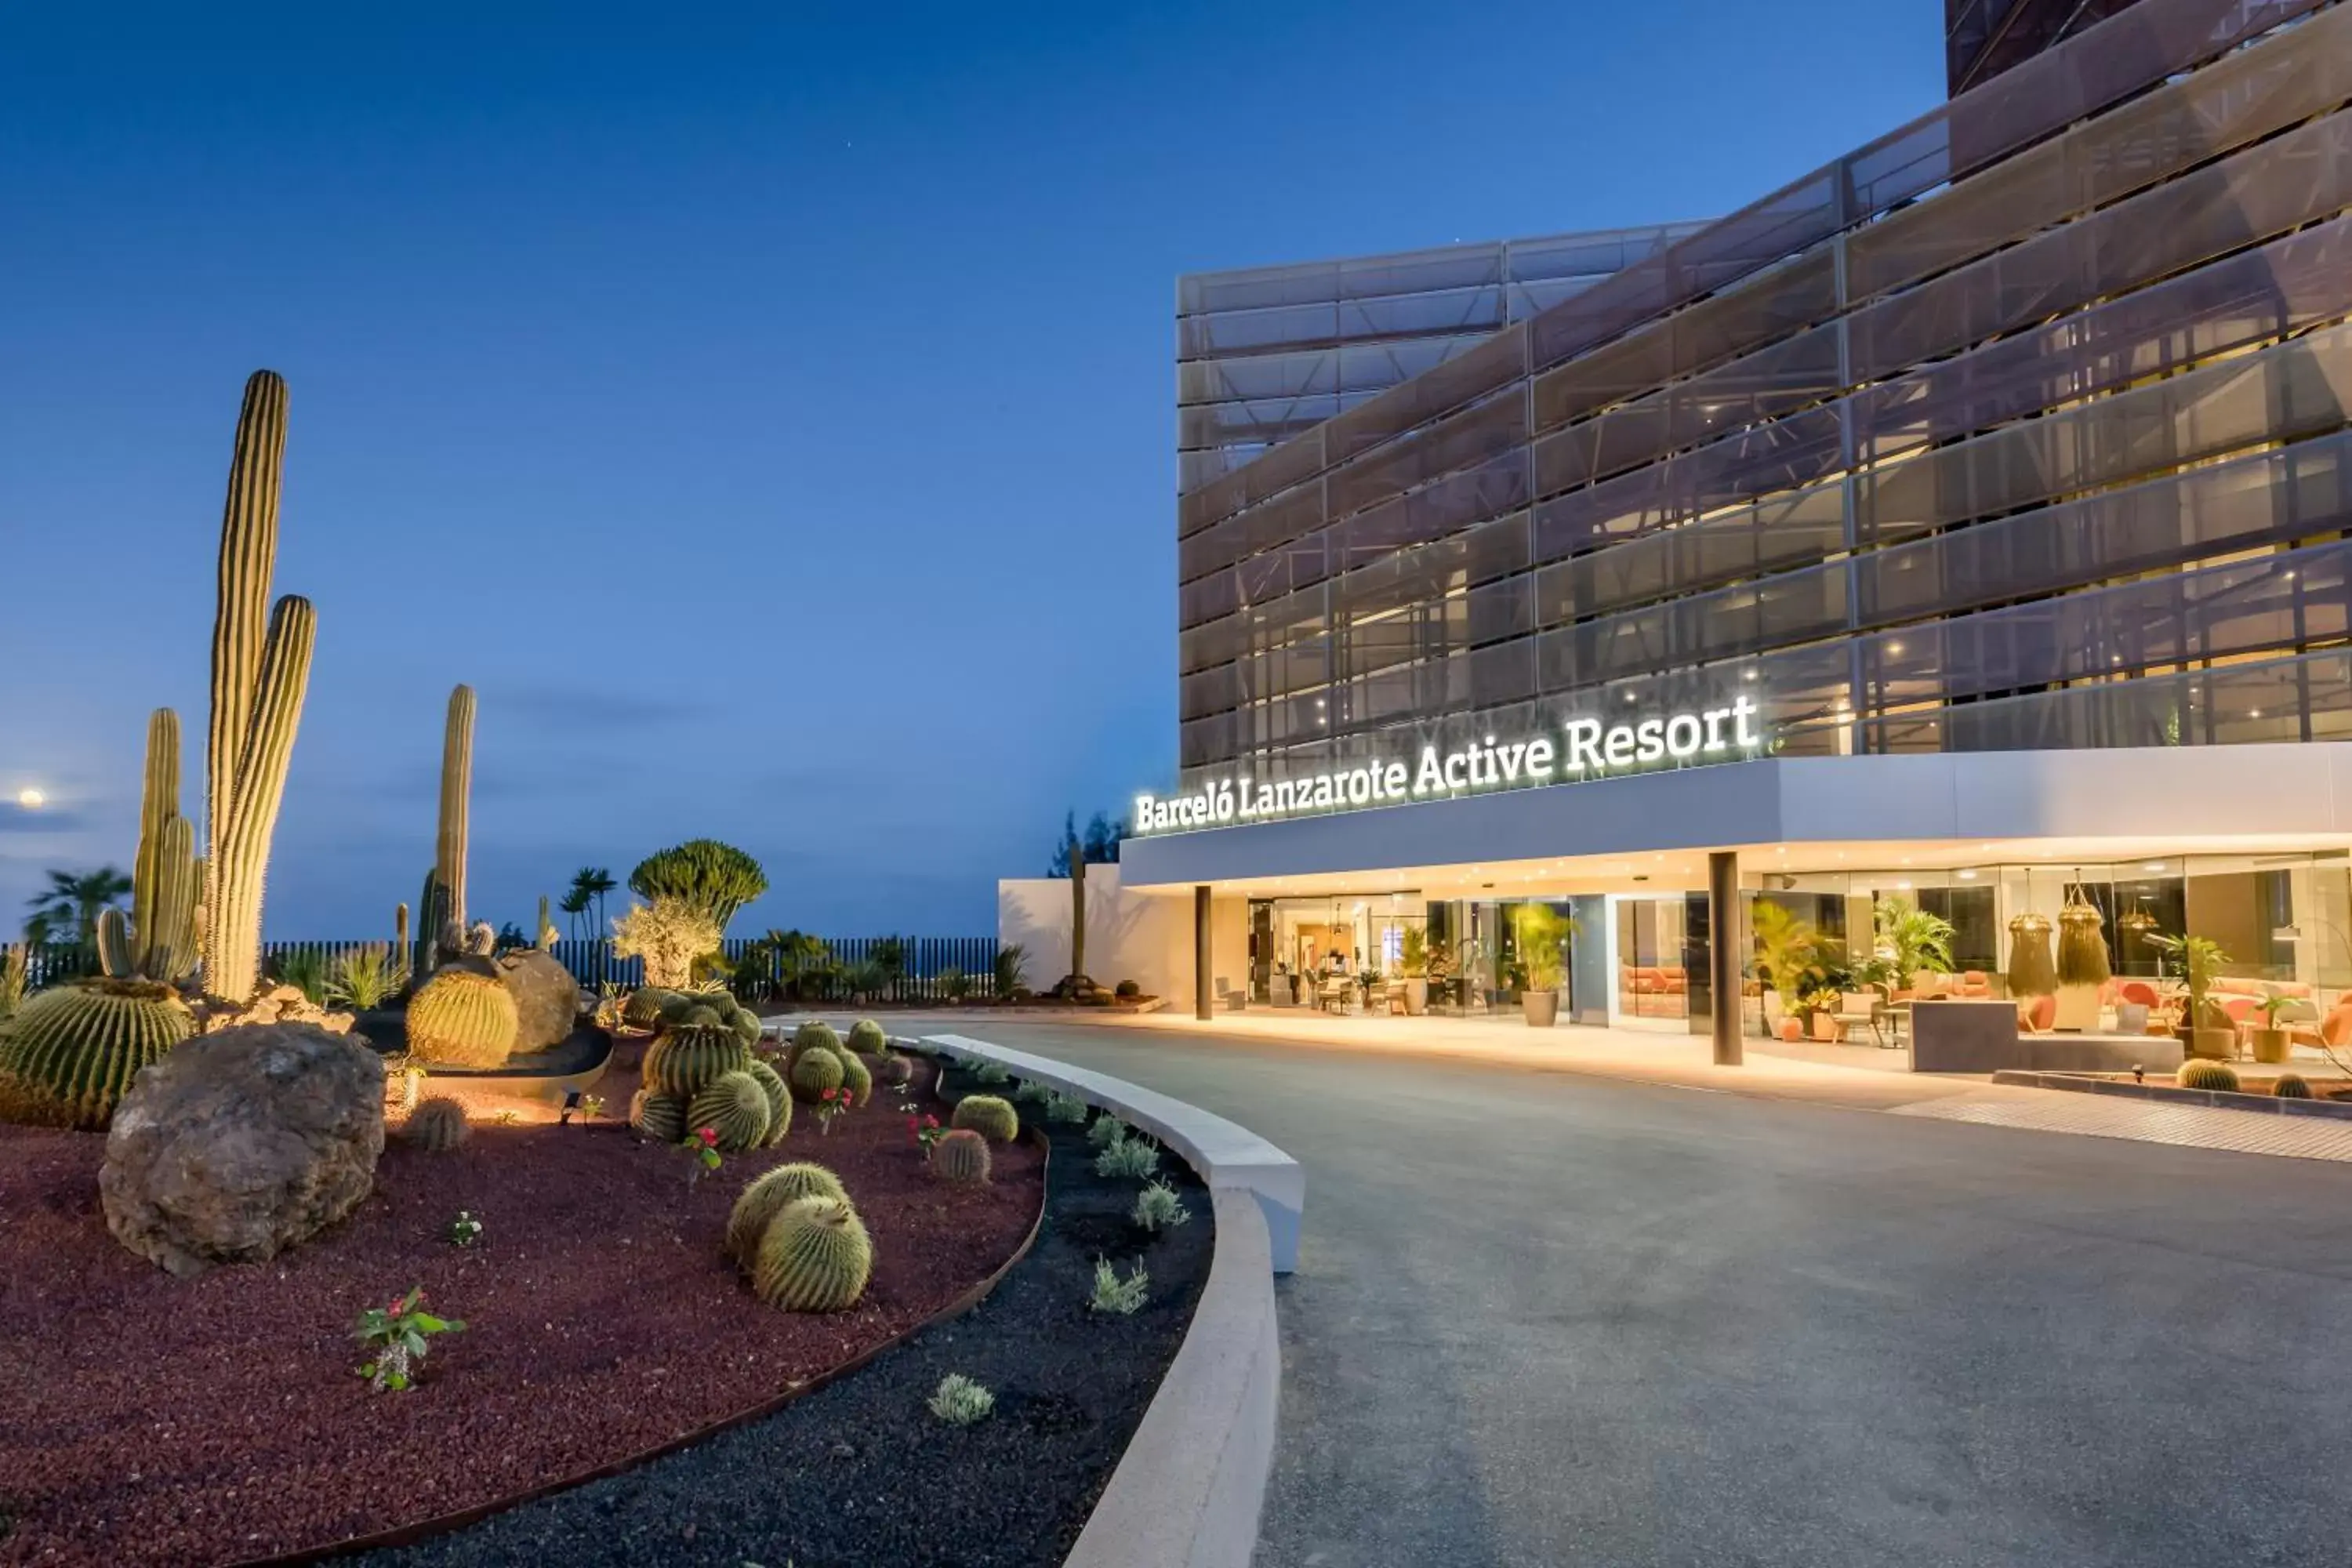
point(768, 410)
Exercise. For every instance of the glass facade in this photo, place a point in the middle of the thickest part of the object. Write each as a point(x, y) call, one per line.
point(2024, 427)
point(1264, 352)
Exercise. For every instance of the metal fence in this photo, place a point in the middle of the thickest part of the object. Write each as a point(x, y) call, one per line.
point(925, 970)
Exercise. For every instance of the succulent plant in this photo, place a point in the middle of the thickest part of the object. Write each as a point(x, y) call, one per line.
point(452, 838)
point(661, 1117)
point(867, 1036)
point(1158, 1208)
point(703, 1018)
point(1105, 1131)
point(2198, 1072)
point(1031, 1092)
point(957, 1401)
point(1067, 1109)
point(260, 676)
point(438, 1123)
point(677, 1004)
point(1129, 1157)
point(814, 1257)
point(856, 1077)
point(643, 1010)
point(779, 1100)
point(960, 1158)
point(815, 1072)
point(990, 1075)
point(1123, 1298)
point(746, 1025)
point(992, 1119)
point(68, 1054)
point(815, 1032)
point(2292, 1086)
point(734, 1106)
point(895, 1070)
point(158, 941)
point(462, 1018)
point(767, 1197)
point(684, 1061)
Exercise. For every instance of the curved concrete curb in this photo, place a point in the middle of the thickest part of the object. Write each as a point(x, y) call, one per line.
point(1225, 1153)
point(1188, 1491)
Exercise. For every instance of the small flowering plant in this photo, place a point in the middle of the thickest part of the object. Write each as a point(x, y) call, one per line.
point(830, 1104)
point(704, 1146)
point(592, 1106)
point(397, 1337)
point(466, 1230)
point(925, 1130)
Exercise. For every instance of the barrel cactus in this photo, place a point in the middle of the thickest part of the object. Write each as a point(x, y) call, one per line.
point(814, 1257)
point(68, 1054)
point(643, 1010)
point(437, 1124)
point(2292, 1086)
point(766, 1197)
point(684, 1061)
point(856, 1077)
point(660, 1117)
point(779, 1100)
point(735, 1107)
point(992, 1118)
point(815, 1032)
point(895, 1070)
point(816, 1071)
point(677, 1004)
point(2199, 1073)
point(705, 1016)
point(461, 1018)
point(960, 1158)
point(867, 1036)
point(745, 1023)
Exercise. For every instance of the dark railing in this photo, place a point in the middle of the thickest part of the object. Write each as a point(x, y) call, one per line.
point(922, 972)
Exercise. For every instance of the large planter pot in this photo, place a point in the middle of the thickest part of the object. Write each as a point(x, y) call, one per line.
point(1416, 995)
point(2270, 1045)
point(1277, 989)
point(1542, 1008)
point(2218, 1045)
point(2078, 1009)
point(1826, 1027)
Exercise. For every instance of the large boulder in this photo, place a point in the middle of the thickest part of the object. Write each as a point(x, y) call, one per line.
point(240, 1145)
point(546, 997)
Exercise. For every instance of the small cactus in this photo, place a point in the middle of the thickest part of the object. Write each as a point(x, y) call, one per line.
point(895, 1070)
point(660, 1117)
point(856, 1077)
point(960, 1158)
point(461, 1018)
point(814, 1257)
point(2291, 1086)
point(703, 1018)
point(815, 1072)
point(734, 1106)
point(867, 1036)
point(643, 1010)
point(677, 1004)
point(780, 1102)
point(68, 1055)
point(745, 1023)
point(992, 1119)
point(815, 1032)
point(684, 1061)
point(2199, 1073)
point(767, 1197)
point(437, 1124)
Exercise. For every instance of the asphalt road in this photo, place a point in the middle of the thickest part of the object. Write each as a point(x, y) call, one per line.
point(1545, 1319)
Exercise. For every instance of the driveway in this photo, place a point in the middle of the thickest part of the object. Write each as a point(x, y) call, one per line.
point(1542, 1318)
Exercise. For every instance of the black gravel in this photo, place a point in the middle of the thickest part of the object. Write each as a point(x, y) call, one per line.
point(859, 1473)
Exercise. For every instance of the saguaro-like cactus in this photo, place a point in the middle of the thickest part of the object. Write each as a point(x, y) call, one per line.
point(449, 844)
point(403, 954)
point(159, 941)
point(261, 671)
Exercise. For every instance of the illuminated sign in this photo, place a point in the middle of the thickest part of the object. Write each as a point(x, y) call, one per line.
point(1586, 748)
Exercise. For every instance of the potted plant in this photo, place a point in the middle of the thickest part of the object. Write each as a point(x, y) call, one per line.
point(1413, 963)
point(2270, 1041)
point(1541, 934)
point(1912, 939)
point(1788, 956)
point(2205, 1029)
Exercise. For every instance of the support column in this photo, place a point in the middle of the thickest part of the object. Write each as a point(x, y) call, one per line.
point(1203, 1003)
point(1726, 938)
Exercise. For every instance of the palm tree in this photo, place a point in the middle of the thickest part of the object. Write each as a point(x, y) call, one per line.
point(592, 882)
point(575, 904)
point(74, 903)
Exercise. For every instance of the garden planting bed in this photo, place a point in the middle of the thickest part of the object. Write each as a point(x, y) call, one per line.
point(154, 1420)
point(858, 1473)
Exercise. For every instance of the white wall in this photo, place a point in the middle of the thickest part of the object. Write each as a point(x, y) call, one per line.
point(1131, 934)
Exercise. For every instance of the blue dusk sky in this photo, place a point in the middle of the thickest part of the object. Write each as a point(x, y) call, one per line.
point(768, 410)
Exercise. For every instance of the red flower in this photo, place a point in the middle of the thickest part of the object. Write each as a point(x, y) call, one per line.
point(930, 1122)
point(710, 1136)
point(394, 1308)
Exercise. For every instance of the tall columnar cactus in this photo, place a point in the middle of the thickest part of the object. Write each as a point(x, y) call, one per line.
point(432, 924)
point(159, 941)
point(261, 671)
point(545, 936)
point(449, 843)
point(403, 954)
point(815, 1256)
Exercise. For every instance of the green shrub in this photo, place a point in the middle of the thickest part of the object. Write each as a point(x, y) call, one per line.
point(305, 969)
point(735, 1107)
point(67, 1055)
point(2199, 1073)
point(814, 1257)
point(959, 1401)
point(779, 1100)
point(767, 1197)
point(1113, 1294)
point(960, 1158)
point(684, 1061)
point(1107, 1131)
point(1031, 1092)
point(992, 1119)
point(856, 1077)
point(2291, 1086)
point(815, 1072)
point(1067, 1109)
point(461, 1018)
point(1129, 1157)
point(438, 1123)
point(660, 1117)
point(990, 1075)
point(1158, 1208)
point(867, 1036)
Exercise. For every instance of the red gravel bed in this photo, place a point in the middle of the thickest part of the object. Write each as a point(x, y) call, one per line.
point(149, 1420)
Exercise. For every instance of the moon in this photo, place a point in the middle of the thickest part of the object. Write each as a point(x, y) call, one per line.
point(31, 799)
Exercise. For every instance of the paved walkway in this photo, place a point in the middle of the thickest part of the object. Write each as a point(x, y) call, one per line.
point(1545, 1315)
point(2188, 1126)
